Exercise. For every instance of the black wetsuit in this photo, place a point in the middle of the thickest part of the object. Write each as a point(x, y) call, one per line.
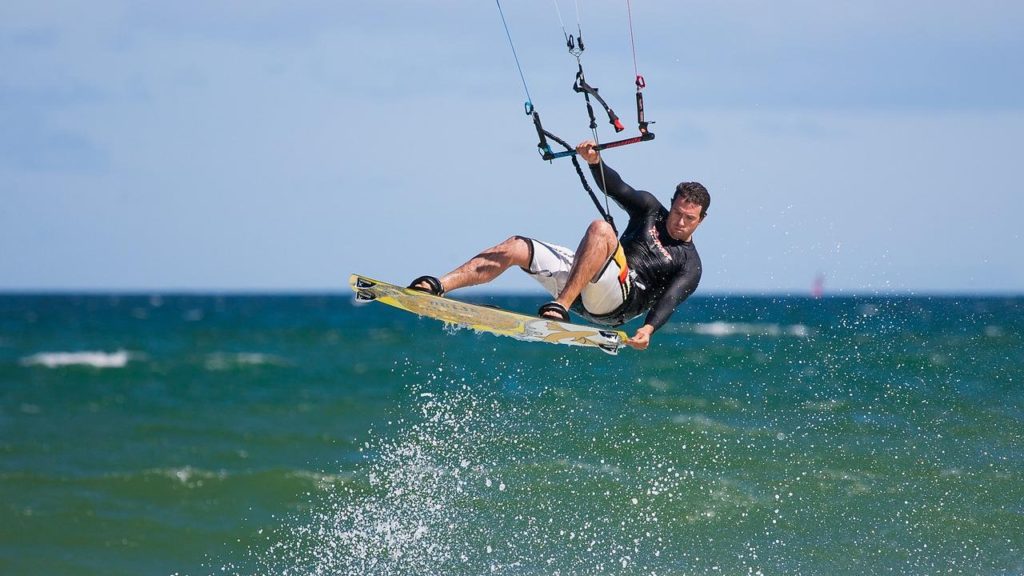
point(663, 271)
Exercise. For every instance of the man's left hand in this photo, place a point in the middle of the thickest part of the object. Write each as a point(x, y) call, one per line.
point(642, 338)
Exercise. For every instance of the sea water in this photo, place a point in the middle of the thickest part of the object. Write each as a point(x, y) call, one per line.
point(195, 434)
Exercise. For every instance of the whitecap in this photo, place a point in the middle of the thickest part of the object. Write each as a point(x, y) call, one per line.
point(118, 359)
point(190, 476)
point(226, 361)
point(722, 329)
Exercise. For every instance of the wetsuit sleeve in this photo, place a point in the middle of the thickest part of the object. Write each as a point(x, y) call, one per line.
point(634, 202)
point(680, 289)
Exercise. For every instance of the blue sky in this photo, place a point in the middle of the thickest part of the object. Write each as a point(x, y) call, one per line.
point(282, 145)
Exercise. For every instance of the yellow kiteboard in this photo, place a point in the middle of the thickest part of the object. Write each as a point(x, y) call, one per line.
point(486, 319)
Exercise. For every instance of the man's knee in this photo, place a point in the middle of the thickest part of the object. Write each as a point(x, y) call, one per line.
point(514, 244)
point(516, 249)
point(603, 230)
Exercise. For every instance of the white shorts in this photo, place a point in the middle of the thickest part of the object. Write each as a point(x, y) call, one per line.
point(550, 265)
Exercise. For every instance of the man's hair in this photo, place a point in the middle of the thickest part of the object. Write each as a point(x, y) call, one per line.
point(694, 192)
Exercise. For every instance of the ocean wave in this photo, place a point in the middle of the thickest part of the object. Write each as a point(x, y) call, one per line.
point(704, 424)
point(831, 405)
point(852, 483)
point(188, 475)
point(227, 361)
point(720, 329)
point(321, 479)
point(94, 359)
point(594, 470)
point(191, 478)
point(991, 331)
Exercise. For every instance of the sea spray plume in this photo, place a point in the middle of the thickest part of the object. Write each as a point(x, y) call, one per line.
point(418, 510)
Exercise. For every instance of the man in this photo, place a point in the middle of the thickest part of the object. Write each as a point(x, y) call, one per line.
point(652, 268)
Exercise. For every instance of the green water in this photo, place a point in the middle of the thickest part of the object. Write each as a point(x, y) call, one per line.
point(304, 435)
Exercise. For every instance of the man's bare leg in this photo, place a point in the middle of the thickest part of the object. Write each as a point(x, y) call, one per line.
point(487, 265)
point(595, 249)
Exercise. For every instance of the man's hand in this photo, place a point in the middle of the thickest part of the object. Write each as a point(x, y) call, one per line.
point(586, 151)
point(642, 338)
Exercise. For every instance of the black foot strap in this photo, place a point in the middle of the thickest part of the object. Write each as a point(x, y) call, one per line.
point(435, 285)
point(555, 307)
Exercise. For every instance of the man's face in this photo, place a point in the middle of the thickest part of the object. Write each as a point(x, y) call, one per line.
point(683, 219)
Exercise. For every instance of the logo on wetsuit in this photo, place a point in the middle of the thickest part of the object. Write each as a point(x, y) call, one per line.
point(657, 242)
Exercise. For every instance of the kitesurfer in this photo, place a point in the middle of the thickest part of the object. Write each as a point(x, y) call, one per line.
point(652, 267)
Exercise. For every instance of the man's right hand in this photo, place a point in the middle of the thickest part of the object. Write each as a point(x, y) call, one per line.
point(586, 151)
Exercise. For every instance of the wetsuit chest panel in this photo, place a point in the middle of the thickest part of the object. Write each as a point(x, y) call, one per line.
point(655, 256)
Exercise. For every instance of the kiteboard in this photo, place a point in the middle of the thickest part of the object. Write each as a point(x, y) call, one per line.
point(486, 319)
